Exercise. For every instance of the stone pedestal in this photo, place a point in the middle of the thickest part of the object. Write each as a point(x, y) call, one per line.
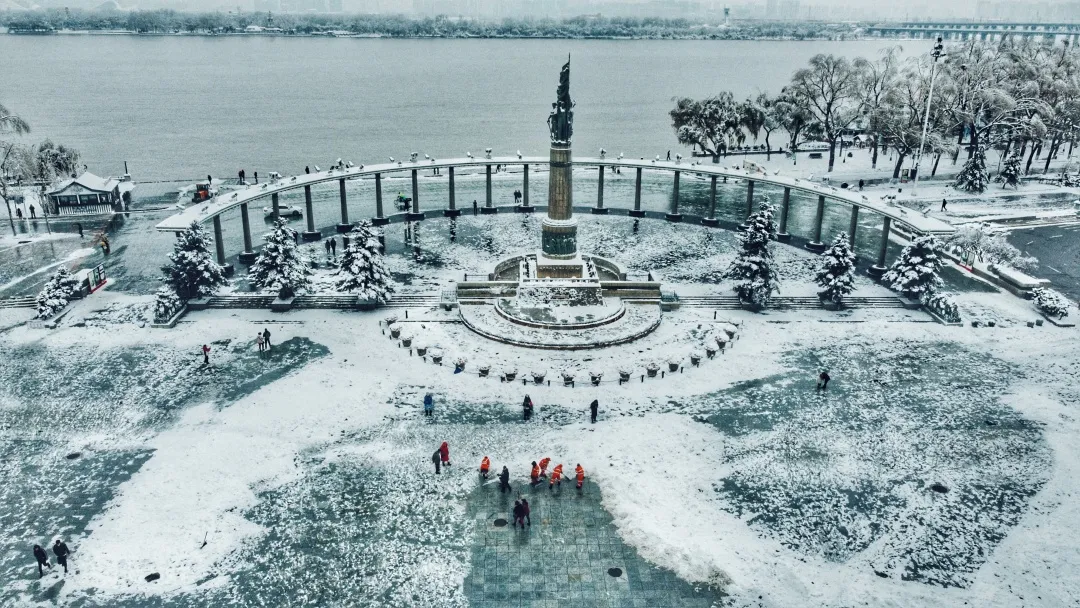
point(343, 228)
point(559, 236)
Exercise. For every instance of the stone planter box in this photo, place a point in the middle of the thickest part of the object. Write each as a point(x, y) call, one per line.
point(171, 322)
point(567, 380)
point(510, 376)
point(406, 341)
point(282, 304)
point(395, 332)
point(710, 352)
point(596, 378)
point(830, 305)
point(538, 378)
point(909, 304)
point(624, 376)
point(672, 367)
point(483, 371)
point(436, 359)
point(365, 304)
point(1059, 322)
point(421, 350)
point(652, 371)
point(942, 320)
point(198, 303)
point(695, 360)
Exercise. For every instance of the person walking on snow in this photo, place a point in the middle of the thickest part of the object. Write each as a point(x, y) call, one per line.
point(525, 509)
point(333, 247)
point(266, 338)
point(42, 560)
point(527, 407)
point(593, 407)
point(485, 466)
point(544, 462)
point(504, 480)
point(259, 340)
point(61, 551)
point(205, 354)
point(429, 405)
point(556, 477)
point(580, 476)
point(944, 202)
point(326, 246)
point(518, 514)
point(444, 453)
point(535, 475)
point(435, 457)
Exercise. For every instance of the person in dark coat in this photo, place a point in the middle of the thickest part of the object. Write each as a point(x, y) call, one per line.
point(333, 246)
point(266, 338)
point(437, 460)
point(525, 510)
point(527, 407)
point(593, 407)
point(504, 480)
point(307, 170)
point(519, 515)
point(79, 226)
point(205, 354)
point(42, 560)
point(326, 246)
point(823, 381)
point(429, 405)
point(256, 177)
point(61, 551)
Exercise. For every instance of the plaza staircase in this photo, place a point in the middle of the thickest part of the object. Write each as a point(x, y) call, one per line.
point(413, 300)
point(240, 301)
point(19, 302)
point(790, 302)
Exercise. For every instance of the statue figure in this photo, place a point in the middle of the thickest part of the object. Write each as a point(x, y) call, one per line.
point(561, 119)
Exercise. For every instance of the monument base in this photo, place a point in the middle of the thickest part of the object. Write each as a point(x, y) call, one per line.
point(488, 210)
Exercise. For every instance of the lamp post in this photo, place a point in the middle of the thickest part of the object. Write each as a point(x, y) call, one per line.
point(937, 53)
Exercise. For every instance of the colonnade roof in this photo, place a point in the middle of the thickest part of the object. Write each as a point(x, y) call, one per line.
point(226, 201)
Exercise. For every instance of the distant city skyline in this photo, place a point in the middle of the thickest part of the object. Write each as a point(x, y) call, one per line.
point(710, 11)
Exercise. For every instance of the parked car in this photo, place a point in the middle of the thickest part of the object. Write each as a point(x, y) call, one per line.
point(283, 211)
point(813, 145)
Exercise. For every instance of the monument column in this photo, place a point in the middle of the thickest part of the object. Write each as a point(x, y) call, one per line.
point(559, 232)
point(599, 208)
point(783, 235)
point(311, 234)
point(711, 219)
point(453, 211)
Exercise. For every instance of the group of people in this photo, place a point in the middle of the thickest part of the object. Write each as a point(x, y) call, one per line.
point(262, 339)
point(60, 550)
point(19, 213)
point(331, 247)
point(539, 470)
point(527, 408)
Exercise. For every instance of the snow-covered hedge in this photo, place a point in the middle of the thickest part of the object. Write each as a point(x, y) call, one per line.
point(56, 293)
point(944, 306)
point(1050, 302)
point(166, 304)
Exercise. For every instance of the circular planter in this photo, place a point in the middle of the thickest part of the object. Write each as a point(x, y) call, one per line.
point(721, 344)
point(567, 380)
point(421, 350)
point(395, 332)
point(695, 360)
point(510, 376)
point(484, 371)
point(538, 378)
point(710, 352)
point(436, 359)
point(596, 378)
point(624, 376)
point(672, 367)
point(406, 342)
point(651, 371)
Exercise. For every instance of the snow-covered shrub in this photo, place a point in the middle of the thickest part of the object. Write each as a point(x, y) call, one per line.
point(753, 272)
point(944, 306)
point(192, 271)
point(460, 362)
point(1050, 302)
point(280, 266)
point(363, 269)
point(915, 273)
point(391, 319)
point(973, 177)
point(976, 241)
point(166, 304)
point(1011, 172)
point(836, 271)
point(56, 293)
point(1069, 180)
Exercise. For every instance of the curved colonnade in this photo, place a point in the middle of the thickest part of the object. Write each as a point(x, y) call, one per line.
point(214, 208)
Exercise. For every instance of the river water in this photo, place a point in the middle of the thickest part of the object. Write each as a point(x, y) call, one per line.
point(181, 108)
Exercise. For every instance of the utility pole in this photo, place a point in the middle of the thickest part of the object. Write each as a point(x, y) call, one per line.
point(937, 53)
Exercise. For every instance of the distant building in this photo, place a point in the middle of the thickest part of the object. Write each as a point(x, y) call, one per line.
point(89, 193)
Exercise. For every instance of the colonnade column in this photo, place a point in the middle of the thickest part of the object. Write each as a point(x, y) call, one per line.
point(219, 246)
point(344, 226)
point(275, 204)
point(675, 216)
point(637, 212)
point(247, 256)
point(853, 226)
point(783, 235)
point(379, 219)
point(415, 213)
point(599, 208)
point(525, 190)
point(711, 219)
point(749, 197)
point(453, 211)
point(311, 234)
point(489, 205)
point(816, 244)
point(879, 269)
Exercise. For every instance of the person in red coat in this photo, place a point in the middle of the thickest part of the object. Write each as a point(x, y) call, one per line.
point(580, 476)
point(444, 453)
point(485, 466)
point(556, 477)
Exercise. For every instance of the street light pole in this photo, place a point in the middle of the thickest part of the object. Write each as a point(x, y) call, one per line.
point(936, 53)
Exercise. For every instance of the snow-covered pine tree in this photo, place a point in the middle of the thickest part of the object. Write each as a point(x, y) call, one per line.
point(363, 270)
point(56, 293)
point(836, 271)
point(1011, 172)
point(915, 273)
point(166, 304)
point(280, 267)
point(192, 271)
point(973, 177)
point(753, 272)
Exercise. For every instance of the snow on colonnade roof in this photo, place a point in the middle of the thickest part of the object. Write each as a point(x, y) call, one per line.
point(227, 201)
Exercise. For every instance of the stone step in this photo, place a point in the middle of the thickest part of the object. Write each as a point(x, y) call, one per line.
point(19, 302)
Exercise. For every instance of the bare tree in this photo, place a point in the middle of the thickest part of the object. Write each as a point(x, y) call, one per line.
point(12, 156)
point(827, 90)
point(712, 124)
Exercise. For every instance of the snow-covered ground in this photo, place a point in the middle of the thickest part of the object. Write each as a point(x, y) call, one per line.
point(302, 476)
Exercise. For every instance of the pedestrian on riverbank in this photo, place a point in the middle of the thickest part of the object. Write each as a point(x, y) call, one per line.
point(33, 212)
point(444, 453)
point(519, 515)
point(475, 207)
point(527, 407)
point(256, 177)
point(526, 509)
point(944, 202)
point(205, 354)
point(436, 459)
point(823, 381)
point(18, 213)
point(485, 466)
point(504, 480)
point(260, 341)
point(78, 225)
point(669, 154)
point(266, 338)
point(60, 550)
point(296, 237)
point(593, 407)
point(240, 177)
point(209, 180)
point(42, 560)
point(307, 170)
point(862, 182)
point(429, 405)
point(333, 247)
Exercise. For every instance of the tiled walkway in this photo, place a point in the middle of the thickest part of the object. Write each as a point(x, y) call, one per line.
point(564, 558)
